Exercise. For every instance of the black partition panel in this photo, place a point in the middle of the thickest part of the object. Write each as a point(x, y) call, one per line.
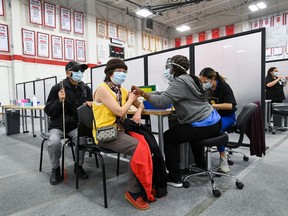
point(240, 59)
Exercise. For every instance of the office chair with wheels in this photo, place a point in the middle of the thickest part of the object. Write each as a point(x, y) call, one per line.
point(243, 119)
point(219, 140)
point(280, 114)
point(68, 142)
point(85, 126)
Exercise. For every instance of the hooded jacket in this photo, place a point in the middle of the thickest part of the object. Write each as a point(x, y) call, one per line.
point(190, 103)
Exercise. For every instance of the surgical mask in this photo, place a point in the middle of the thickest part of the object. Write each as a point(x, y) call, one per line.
point(168, 75)
point(207, 85)
point(118, 78)
point(276, 73)
point(77, 76)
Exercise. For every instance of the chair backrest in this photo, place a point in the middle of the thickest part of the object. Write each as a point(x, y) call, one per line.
point(244, 116)
point(85, 117)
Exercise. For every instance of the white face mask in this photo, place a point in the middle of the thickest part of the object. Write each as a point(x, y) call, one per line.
point(168, 75)
point(207, 85)
point(77, 76)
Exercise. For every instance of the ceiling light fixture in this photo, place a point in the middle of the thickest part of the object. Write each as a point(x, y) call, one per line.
point(144, 12)
point(256, 7)
point(183, 28)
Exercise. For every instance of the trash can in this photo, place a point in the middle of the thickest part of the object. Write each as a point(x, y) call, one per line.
point(184, 150)
point(12, 122)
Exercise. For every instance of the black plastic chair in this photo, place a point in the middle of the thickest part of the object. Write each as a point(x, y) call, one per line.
point(219, 140)
point(243, 119)
point(68, 142)
point(280, 109)
point(85, 126)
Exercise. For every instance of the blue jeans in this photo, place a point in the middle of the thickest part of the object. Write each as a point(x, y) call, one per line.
point(227, 122)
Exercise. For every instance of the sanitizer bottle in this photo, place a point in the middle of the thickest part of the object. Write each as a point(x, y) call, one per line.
point(34, 101)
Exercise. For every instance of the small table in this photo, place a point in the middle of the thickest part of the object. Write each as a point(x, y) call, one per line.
point(160, 113)
point(24, 116)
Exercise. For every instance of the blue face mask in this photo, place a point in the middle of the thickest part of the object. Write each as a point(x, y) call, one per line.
point(77, 76)
point(207, 85)
point(118, 78)
point(168, 75)
point(276, 73)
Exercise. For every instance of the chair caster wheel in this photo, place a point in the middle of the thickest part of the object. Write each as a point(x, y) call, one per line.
point(230, 153)
point(239, 185)
point(273, 133)
point(230, 162)
point(216, 193)
point(245, 158)
point(186, 184)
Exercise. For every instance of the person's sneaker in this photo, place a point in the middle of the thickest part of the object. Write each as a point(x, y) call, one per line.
point(136, 200)
point(174, 182)
point(224, 167)
point(82, 173)
point(55, 177)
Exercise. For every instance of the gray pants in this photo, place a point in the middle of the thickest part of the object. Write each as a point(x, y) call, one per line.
point(125, 144)
point(54, 146)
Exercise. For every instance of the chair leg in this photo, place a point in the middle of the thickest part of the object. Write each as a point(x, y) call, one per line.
point(103, 179)
point(72, 149)
point(118, 161)
point(41, 155)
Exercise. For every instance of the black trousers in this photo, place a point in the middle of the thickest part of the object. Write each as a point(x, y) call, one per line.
point(185, 133)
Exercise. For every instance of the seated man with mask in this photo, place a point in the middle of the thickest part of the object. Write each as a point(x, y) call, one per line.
point(69, 94)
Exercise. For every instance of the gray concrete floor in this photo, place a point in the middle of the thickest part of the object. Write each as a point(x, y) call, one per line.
point(26, 191)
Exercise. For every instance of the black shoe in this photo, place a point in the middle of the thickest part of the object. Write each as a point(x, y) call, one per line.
point(82, 173)
point(55, 177)
point(174, 181)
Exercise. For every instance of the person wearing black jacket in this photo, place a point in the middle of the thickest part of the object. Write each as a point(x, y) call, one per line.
point(73, 93)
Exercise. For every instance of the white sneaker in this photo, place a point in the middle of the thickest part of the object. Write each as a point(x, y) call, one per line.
point(224, 167)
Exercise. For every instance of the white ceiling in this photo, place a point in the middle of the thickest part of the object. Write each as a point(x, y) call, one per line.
point(205, 15)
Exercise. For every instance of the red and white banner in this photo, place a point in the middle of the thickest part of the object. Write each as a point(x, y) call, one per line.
point(28, 40)
point(42, 45)
point(202, 36)
point(189, 39)
point(279, 19)
point(69, 48)
point(80, 50)
point(177, 42)
point(49, 15)
point(1, 8)
point(131, 39)
point(4, 38)
point(65, 19)
point(35, 11)
point(78, 22)
point(255, 24)
point(266, 22)
point(229, 30)
point(215, 33)
point(57, 47)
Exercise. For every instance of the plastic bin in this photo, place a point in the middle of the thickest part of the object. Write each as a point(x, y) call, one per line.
point(12, 122)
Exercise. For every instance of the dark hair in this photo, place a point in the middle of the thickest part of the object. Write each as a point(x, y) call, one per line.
point(199, 85)
point(107, 75)
point(271, 69)
point(180, 60)
point(210, 73)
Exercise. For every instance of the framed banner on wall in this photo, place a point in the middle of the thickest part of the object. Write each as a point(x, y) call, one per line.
point(4, 38)
point(28, 42)
point(42, 45)
point(78, 22)
point(69, 48)
point(35, 11)
point(49, 15)
point(80, 50)
point(65, 19)
point(56, 47)
point(1, 8)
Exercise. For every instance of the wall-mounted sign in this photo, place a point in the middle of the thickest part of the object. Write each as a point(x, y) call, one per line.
point(115, 51)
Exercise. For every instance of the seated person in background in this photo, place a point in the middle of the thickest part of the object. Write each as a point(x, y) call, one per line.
point(198, 120)
point(275, 84)
point(73, 93)
point(221, 97)
point(111, 103)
